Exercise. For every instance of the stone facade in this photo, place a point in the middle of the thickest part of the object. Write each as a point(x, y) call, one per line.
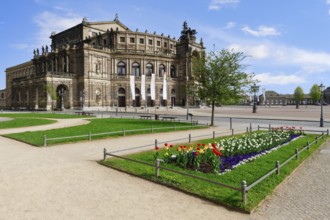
point(2, 99)
point(90, 64)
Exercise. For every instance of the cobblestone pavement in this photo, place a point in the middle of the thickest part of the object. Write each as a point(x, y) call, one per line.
point(305, 194)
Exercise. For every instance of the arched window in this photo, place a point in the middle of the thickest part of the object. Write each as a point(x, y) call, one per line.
point(121, 91)
point(136, 69)
point(149, 69)
point(121, 69)
point(172, 71)
point(161, 70)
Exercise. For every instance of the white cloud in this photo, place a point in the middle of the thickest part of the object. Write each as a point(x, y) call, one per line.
point(279, 79)
point(328, 2)
point(262, 31)
point(218, 4)
point(260, 51)
point(278, 54)
point(230, 25)
point(50, 21)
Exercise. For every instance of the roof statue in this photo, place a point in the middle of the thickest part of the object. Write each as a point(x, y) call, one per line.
point(187, 33)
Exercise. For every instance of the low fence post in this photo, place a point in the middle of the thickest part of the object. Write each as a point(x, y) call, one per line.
point(189, 138)
point(258, 127)
point(124, 132)
point(317, 139)
point(232, 132)
point(327, 131)
point(231, 123)
point(104, 153)
point(308, 146)
point(89, 135)
point(244, 192)
point(247, 129)
point(157, 167)
point(156, 143)
point(45, 140)
point(269, 127)
point(277, 167)
point(297, 153)
point(213, 134)
point(322, 135)
point(250, 127)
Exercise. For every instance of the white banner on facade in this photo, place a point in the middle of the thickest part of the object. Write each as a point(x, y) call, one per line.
point(143, 87)
point(132, 85)
point(152, 87)
point(164, 87)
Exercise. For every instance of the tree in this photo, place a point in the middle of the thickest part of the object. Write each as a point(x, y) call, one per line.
point(315, 93)
point(298, 95)
point(219, 77)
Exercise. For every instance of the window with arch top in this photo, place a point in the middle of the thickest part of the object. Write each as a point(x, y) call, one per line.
point(121, 69)
point(172, 71)
point(136, 69)
point(162, 70)
point(149, 69)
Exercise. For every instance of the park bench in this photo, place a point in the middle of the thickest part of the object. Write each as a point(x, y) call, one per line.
point(170, 118)
point(145, 117)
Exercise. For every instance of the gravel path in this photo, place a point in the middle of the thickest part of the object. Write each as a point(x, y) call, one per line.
point(65, 182)
point(61, 123)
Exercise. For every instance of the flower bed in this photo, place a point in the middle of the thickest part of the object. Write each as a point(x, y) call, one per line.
point(226, 154)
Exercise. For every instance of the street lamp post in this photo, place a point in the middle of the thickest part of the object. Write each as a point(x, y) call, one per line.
point(187, 104)
point(255, 90)
point(321, 118)
point(61, 93)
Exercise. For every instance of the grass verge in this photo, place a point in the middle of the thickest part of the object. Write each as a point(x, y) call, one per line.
point(98, 126)
point(249, 172)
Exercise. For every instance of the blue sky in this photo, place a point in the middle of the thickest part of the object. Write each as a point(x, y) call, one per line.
point(287, 42)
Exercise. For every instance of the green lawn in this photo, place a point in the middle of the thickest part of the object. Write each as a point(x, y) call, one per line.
point(97, 126)
point(227, 197)
point(31, 119)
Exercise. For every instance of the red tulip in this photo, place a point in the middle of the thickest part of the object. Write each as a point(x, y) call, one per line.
point(215, 150)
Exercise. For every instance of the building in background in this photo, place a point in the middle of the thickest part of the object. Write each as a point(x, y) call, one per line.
point(105, 64)
point(274, 98)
